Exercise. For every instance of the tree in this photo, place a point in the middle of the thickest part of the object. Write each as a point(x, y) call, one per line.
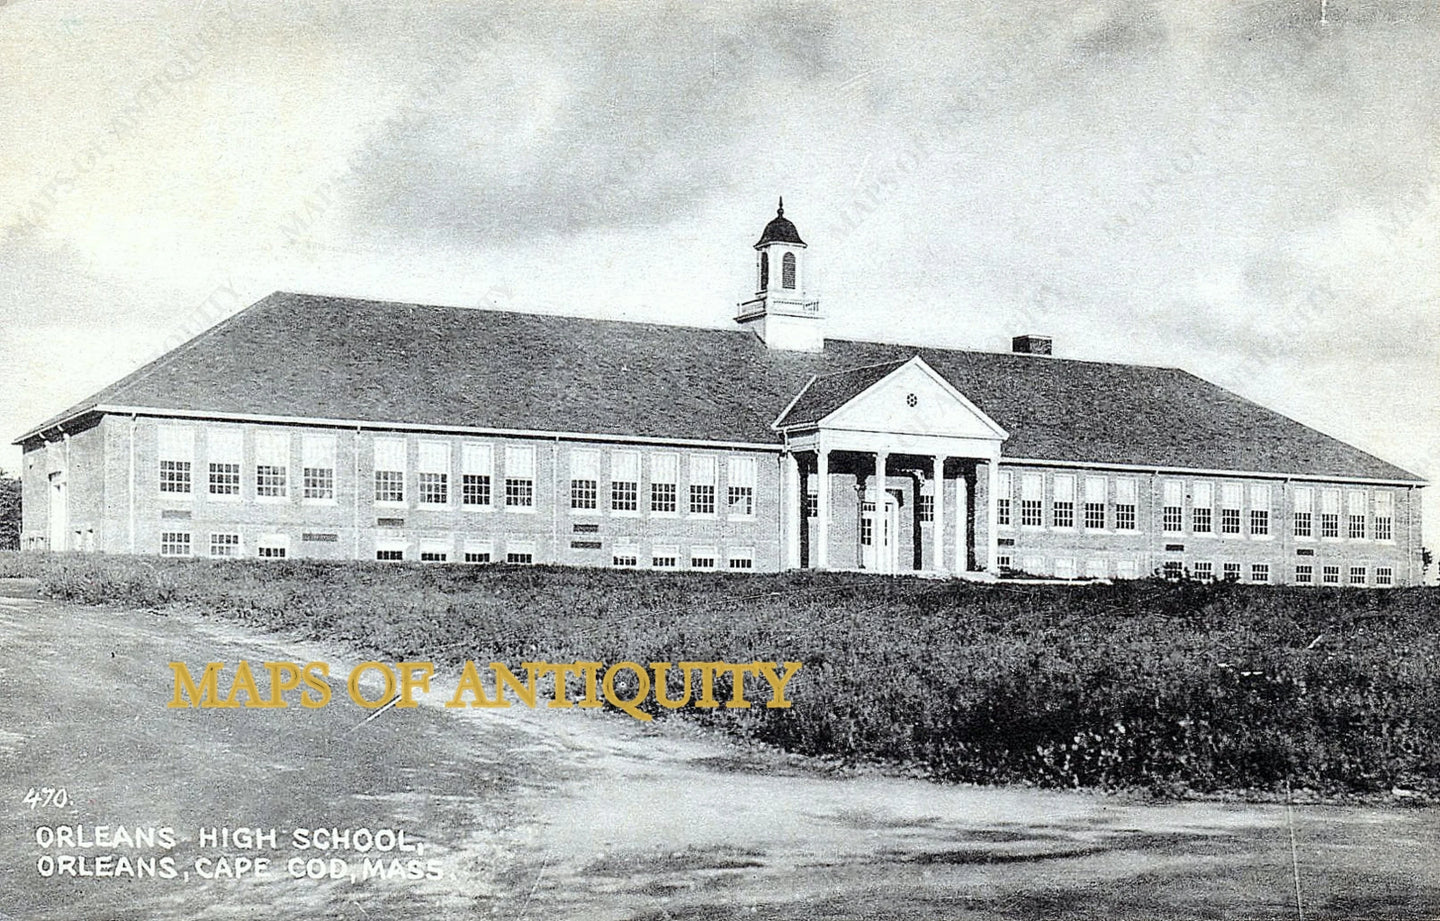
point(9, 512)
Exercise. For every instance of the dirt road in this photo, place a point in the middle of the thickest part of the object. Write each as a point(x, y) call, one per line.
point(551, 814)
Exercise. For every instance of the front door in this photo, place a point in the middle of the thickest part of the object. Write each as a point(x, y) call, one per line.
point(879, 533)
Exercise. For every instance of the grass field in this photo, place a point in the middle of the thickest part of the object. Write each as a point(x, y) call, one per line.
point(1175, 687)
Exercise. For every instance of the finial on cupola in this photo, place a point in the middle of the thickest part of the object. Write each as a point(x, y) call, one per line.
point(780, 211)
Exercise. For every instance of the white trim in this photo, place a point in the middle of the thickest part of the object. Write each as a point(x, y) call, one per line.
point(1205, 471)
point(365, 425)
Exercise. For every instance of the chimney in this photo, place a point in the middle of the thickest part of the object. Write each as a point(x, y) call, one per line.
point(1030, 345)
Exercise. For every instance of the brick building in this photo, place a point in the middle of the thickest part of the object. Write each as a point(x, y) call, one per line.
point(344, 429)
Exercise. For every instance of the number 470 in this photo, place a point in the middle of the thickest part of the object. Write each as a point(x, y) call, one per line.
point(47, 796)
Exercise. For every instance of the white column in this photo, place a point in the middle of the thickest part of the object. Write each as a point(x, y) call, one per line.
point(822, 501)
point(878, 538)
point(937, 526)
point(962, 525)
point(793, 492)
point(992, 503)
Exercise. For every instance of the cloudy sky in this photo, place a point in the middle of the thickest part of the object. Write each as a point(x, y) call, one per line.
point(1242, 189)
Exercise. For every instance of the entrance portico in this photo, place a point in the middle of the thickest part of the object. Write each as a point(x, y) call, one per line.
point(883, 469)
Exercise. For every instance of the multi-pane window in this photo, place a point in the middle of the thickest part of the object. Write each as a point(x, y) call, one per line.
point(1173, 569)
point(1063, 508)
point(625, 556)
point(176, 448)
point(1259, 509)
point(1096, 569)
point(867, 524)
point(317, 473)
point(1004, 488)
point(1125, 569)
point(477, 466)
point(390, 555)
point(1172, 516)
point(1231, 497)
point(925, 508)
point(1330, 575)
point(1125, 501)
point(812, 503)
point(519, 480)
point(1203, 571)
point(1095, 498)
point(1355, 507)
point(521, 552)
point(702, 557)
point(787, 270)
point(1032, 501)
point(664, 557)
point(432, 463)
point(390, 469)
point(478, 551)
point(702, 485)
point(1304, 574)
point(742, 558)
point(1065, 568)
point(224, 544)
point(584, 480)
point(1357, 575)
point(1384, 519)
point(1003, 562)
point(434, 555)
point(1232, 572)
point(272, 464)
point(1260, 572)
point(1304, 511)
point(175, 543)
point(625, 481)
point(664, 484)
point(225, 450)
point(1202, 508)
point(1384, 575)
point(1330, 513)
point(740, 488)
point(274, 547)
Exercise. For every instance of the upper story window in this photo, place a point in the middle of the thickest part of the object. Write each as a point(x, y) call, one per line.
point(1202, 508)
point(1032, 500)
point(702, 485)
point(625, 481)
point(390, 470)
point(1172, 518)
point(477, 467)
point(1126, 491)
point(520, 477)
point(317, 473)
point(1384, 515)
point(787, 271)
point(741, 487)
point(1063, 510)
point(1096, 494)
point(225, 449)
point(176, 449)
point(1260, 510)
point(664, 483)
point(432, 463)
point(272, 464)
point(1355, 507)
point(1304, 511)
point(1330, 513)
point(1232, 497)
point(584, 480)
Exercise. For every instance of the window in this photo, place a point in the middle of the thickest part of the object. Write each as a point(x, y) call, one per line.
point(317, 474)
point(1202, 508)
point(1331, 575)
point(176, 450)
point(1355, 506)
point(522, 552)
point(390, 556)
point(1172, 516)
point(742, 558)
point(434, 556)
point(1173, 570)
point(1003, 563)
point(390, 470)
point(867, 524)
point(1259, 510)
point(519, 480)
point(1384, 575)
point(477, 466)
point(1095, 498)
point(1231, 496)
point(1063, 509)
point(478, 551)
point(1357, 575)
point(812, 502)
point(224, 544)
point(1004, 489)
point(1260, 572)
point(272, 547)
point(702, 557)
point(925, 508)
point(1125, 569)
point(1204, 572)
point(1304, 574)
point(225, 450)
point(1032, 491)
point(1304, 511)
point(1096, 569)
point(664, 483)
point(1232, 572)
point(272, 465)
point(1330, 513)
point(764, 271)
point(175, 543)
point(787, 270)
point(584, 480)
point(625, 482)
point(1384, 519)
point(625, 556)
point(664, 557)
point(741, 487)
point(1064, 569)
point(702, 485)
point(1125, 500)
point(433, 467)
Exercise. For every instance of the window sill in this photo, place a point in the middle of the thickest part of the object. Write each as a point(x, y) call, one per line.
point(319, 502)
point(213, 497)
point(520, 509)
point(476, 507)
point(387, 504)
point(664, 514)
point(585, 512)
point(273, 500)
point(434, 507)
point(624, 514)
